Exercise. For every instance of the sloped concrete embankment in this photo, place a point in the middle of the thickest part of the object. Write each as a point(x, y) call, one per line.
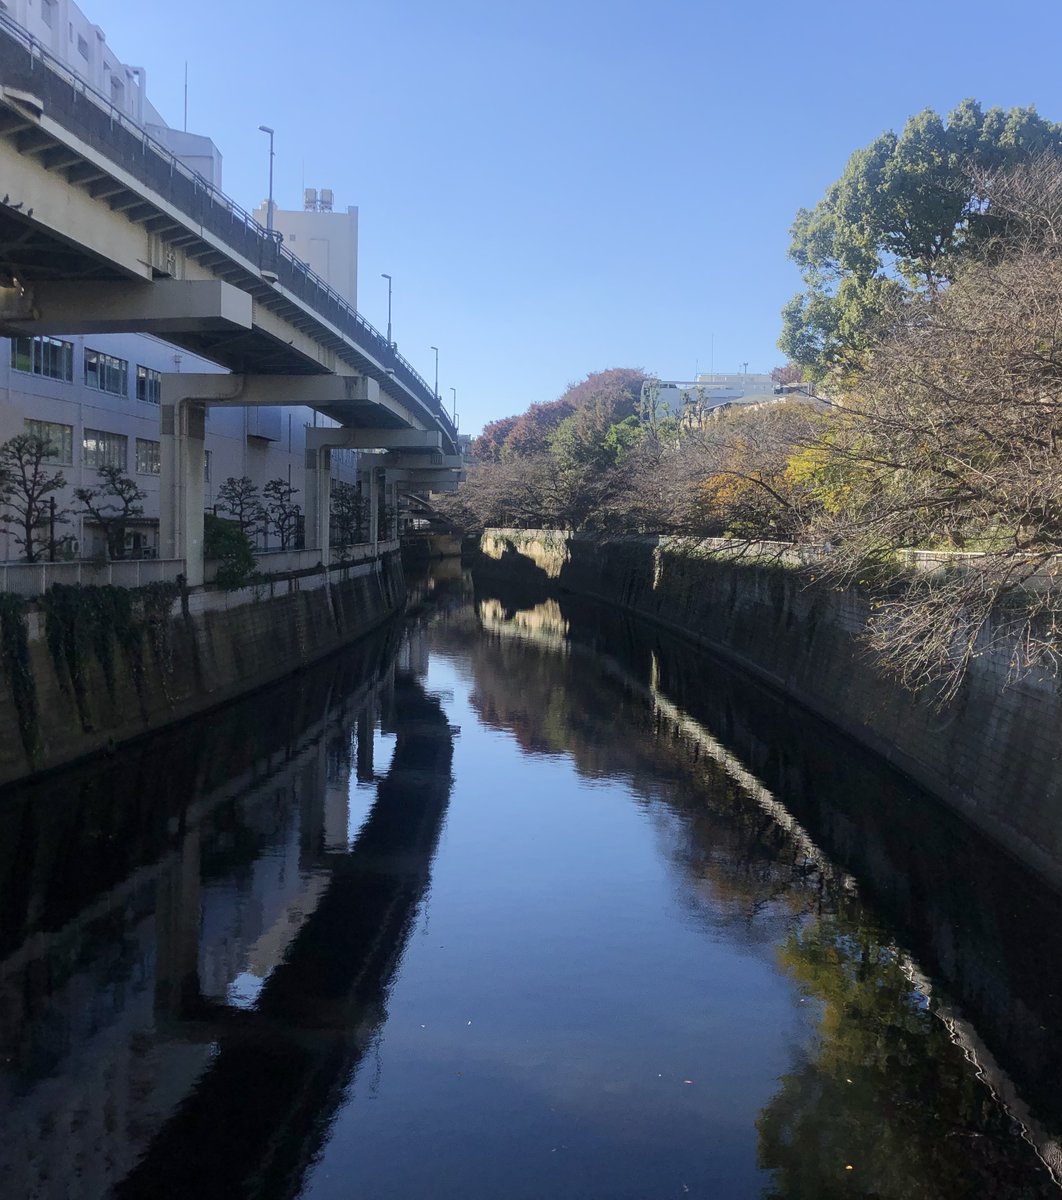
point(80, 688)
point(993, 754)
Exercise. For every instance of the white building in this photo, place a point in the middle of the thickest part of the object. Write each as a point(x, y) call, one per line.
point(64, 31)
point(692, 399)
point(96, 397)
point(325, 240)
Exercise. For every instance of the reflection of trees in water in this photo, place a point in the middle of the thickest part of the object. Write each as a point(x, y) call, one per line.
point(885, 1104)
point(916, 1115)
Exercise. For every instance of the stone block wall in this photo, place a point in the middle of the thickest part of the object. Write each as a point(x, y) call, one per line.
point(215, 646)
point(993, 754)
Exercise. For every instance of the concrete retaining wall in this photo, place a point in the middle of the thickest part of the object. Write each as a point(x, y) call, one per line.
point(993, 755)
point(214, 647)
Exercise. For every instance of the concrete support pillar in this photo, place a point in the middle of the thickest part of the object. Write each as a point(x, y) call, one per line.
point(310, 788)
point(374, 507)
point(366, 771)
point(177, 903)
point(391, 503)
point(182, 485)
point(318, 494)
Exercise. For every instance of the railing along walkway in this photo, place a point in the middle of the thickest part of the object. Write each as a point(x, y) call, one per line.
point(34, 579)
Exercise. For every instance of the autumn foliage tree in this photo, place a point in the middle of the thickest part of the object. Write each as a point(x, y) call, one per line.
point(530, 432)
point(747, 489)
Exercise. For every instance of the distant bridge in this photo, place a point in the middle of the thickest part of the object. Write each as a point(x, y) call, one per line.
point(103, 230)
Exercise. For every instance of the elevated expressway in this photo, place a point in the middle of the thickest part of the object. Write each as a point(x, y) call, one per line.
point(103, 230)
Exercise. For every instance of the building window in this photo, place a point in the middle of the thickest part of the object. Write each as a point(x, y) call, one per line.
point(82, 47)
point(59, 437)
point(106, 373)
point(45, 356)
point(148, 385)
point(148, 458)
point(48, 8)
point(99, 449)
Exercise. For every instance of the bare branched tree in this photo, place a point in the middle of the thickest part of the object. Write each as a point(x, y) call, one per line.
point(349, 513)
point(282, 512)
point(112, 504)
point(747, 489)
point(953, 444)
point(27, 494)
point(241, 498)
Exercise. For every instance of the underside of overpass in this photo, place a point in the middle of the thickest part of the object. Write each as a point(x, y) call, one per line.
point(103, 230)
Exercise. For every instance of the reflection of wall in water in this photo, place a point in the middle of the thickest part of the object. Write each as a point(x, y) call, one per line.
point(413, 652)
point(772, 785)
point(189, 923)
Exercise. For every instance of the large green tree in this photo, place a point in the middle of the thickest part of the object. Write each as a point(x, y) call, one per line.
point(950, 443)
point(906, 213)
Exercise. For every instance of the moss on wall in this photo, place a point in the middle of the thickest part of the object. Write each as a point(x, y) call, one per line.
point(91, 667)
point(994, 754)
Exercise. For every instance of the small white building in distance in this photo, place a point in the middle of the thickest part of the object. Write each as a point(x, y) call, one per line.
point(695, 398)
point(325, 240)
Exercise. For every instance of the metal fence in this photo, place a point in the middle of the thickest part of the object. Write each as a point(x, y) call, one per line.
point(34, 579)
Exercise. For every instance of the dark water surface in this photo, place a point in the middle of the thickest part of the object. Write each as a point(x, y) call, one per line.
point(520, 900)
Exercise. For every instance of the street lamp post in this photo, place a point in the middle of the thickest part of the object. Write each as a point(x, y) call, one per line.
point(384, 275)
point(436, 349)
point(454, 390)
point(269, 210)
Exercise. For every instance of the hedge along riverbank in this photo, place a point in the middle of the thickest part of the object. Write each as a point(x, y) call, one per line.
point(993, 754)
point(86, 668)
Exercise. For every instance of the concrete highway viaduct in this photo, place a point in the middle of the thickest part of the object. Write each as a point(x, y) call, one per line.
point(103, 230)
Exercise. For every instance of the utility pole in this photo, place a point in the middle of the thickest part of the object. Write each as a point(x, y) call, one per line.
point(269, 210)
point(384, 275)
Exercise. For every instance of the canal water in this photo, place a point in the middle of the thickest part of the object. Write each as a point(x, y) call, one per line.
point(517, 899)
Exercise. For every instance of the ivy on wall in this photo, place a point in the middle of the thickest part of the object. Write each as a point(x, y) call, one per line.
point(94, 622)
point(14, 651)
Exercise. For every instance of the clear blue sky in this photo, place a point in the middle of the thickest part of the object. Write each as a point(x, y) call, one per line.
point(560, 187)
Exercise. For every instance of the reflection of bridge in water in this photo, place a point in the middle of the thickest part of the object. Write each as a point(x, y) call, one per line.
point(233, 862)
point(279, 1070)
